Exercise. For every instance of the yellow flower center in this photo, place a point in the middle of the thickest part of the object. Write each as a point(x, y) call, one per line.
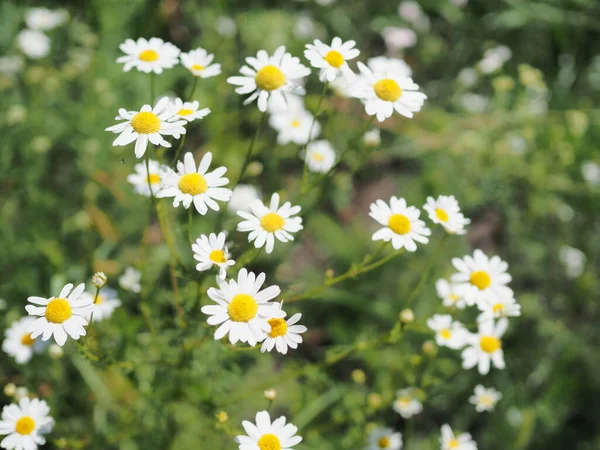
point(490, 344)
point(26, 340)
point(454, 298)
point(454, 443)
point(318, 157)
point(295, 123)
point(242, 308)
point(446, 333)
point(58, 310)
point(217, 256)
point(25, 425)
point(278, 327)
point(197, 67)
point(154, 178)
point(404, 401)
point(334, 59)
point(99, 300)
point(272, 222)
point(481, 279)
point(486, 400)
point(269, 442)
point(270, 78)
point(384, 442)
point(399, 224)
point(441, 214)
point(193, 184)
point(387, 90)
point(148, 56)
point(498, 308)
point(145, 123)
point(185, 112)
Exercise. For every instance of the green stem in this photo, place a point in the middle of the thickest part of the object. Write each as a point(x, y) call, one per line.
point(303, 186)
point(250, 148)
point(152, 88)
point(190, 238)
point(182, 141)
point(95, 300)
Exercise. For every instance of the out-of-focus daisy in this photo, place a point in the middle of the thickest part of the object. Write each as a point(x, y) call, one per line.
point(319, 156)
point(573, 260)
point(494, 59)
point(226, 26)
point(189, 111)
point(485, 347)
point(401, 224)
point(341, 87)
point(266, 224)
point(269, 77)
point(59, 316)
point(44, 19)
point(25, 424)
point(267, 435)
point(244, 195)
point(148, 125)
point(398, 38)
point(479, 276)
point(445, 211)
point(18, 342)
point(384, 438)
point(242, 308)
point(105, 304)
point(199, 62)
point(591, 172)
point(485, 399)
point(372, 138)
point(211, 251)
point(10, 65)
point(194, 184)
point(448, 333)
point(130, 280)
point(153, 55)
point(283, 334)
point(34, 44)
point(140, 178)
point(407, 404)
point(295, 125)
point(385, 63)
point(386, 90)
point(494, 307)
point(449, 441)
point(332, 60)
point(448, 293)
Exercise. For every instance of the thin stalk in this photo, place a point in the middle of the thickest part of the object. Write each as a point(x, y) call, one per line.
point(190, 238)
point(152, 88)
point(182, 141)
point(250, 148)
point(303, 186)
point(425, 272)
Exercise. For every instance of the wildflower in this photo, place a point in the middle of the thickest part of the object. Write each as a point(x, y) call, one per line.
point(494, 307)
point(34, 44)
point(573, 260)
point(294, 125)
point(494, 59)
point(445, 211)
point(142, 177)
point(372, 138)
point(188, 111)
point(148, 56)
point(449, 441)
point(319, 156)
point(21, 392)
point(105, 304)
point(591, 172)
point(407, 403)
point(211, 251)
point(267, 435)
point(226, 26)
point(387, 64)
point(10, 389)
point(449, 294)
point(407, 315)
point(199, 62)
point(18, 342)
point(485, 399)
point(384, 438)
point(270, 394)
point(130, 280)
point(222, 416)
point(44, 19)
point(99, 280)
point(332, 60)
point(243, 197)
point(485, 346)
point(398, 38)
point(25, 424)
point(283, 334)
point(449, 333)
point(11, 65)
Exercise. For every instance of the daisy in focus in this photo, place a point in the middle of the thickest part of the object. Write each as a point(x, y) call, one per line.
point(191, 184)
point(294, 125)
point(140, 178)
point(25, 424)
point(148, 56)
point(243, 308)
point(332, 60)
point(267, 224)
point(319, 156)
point(270, 77)
point(199, 62)
point(211, 251)
point(105, 304)
point(283, 334)
point(485, 399)
point(130, 280)
point(188, 111)
point(407, 404)
point(449, 441)
point(18, 342)
point(445, 211)
point(485, 347)
point(449, 294)
point(267, 435)
point(384, 438)
point(448, 333)
point(147, 125)
point(494, 307)
point(60, 316)
point(401, 224)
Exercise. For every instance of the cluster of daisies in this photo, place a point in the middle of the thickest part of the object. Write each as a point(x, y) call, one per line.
point(388, 439)
point(33, 40)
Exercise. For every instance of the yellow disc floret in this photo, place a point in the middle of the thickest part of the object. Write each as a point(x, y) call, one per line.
point(193, 184)
point(269, 442)
point(217, 256)
point(490, 344)
point(197, 67)
point(145, 122)
point(25, 425)
point(154, 178)
point(441, 215)
point(270, 78)
point(481, 279)
point(99, 299)
point(399, 223)
point(384, 442)
point(58, 310)
point(185, 112)
point(498, 308)
point(334, 59)
point(295, 123)
point(242, 308)
point(446, 333)
point(278, 327)
point(26, 340)
point(272, 222)
point(387, 90)
point(148, 56)
point(454, 443)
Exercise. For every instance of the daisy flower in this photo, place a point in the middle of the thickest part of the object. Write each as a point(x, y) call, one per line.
point(448, 333)
point(25, 424)
point(242, 198)
point(384, 63)
point(407, 404)
point(242, 308)
point(401, 224)
point(199, 62)
point(44, 19)
point(34, 44)
point(140, 178)
point(319, 156)
point(283, 334)
point(270, 77)
point(266, 224)
point(384, 438)
point(445, 211)
point(148, 124)
point(494, 307)
point(449, 294)
point(190, 184)
point(384, 91)
point(148, 56)
point(331, 59)
point(18, 342)
point(485, 347)
point(294, 125)
point(62, 315)
point(449, 441)
point(188, 111)
point(267, 435)
point(130, 280)
point(211, 251)
point(485, 399)
point(104, 306)
point(479, 276)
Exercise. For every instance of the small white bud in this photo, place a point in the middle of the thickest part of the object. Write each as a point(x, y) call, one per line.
point(270, 394)
point(99, 279)
point(56, 351)
point(10, 389)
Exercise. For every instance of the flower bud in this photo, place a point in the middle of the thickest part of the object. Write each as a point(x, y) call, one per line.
point(374, 400)
point(99, 279)
point(270, 394)
point(222, 416)
point(10, 389)
point(429, 348)
point(359, 376)
point(407, 316)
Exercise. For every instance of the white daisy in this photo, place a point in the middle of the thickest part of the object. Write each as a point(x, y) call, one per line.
point(479, 276)
point(283, 334)
point(44, 19)
point(267, 435)
point(60, 315)
point(372, 138)
point(140, 178)
point(294, 125)
point(148, 124)
point(211, 251)
point(199, 62)
point(485, 399)
point(463, 441)
point(384, 91)
point(130, 280)
point(25, 424)
point(242, 198)
point(331, 59)
point(319, 156)
point(191, 184)
point(148, 56)
point(105, 304)
point(485, 346)
point(383, 63)
point(449, 294)
point(401, 224)
point(18, 342)
point(384, 438)
point(188, 111)
point(448, 333)
point(495, 307)
point(407, 404)
point(34, 44)
point(270, 77)
point(445, 211)
point(242, 308)
point(266, 224)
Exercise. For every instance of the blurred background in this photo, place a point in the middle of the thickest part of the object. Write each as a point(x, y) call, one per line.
point(510, 128)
